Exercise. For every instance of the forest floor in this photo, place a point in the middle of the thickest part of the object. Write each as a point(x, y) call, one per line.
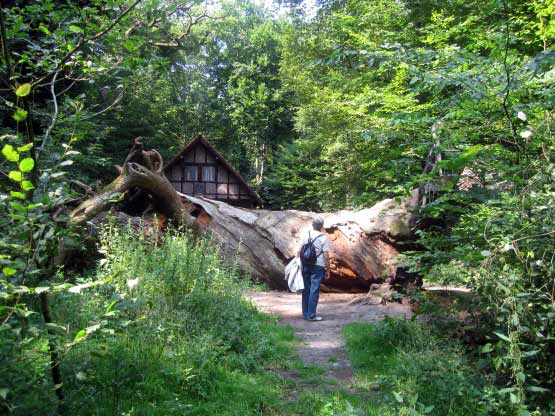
point(322, 344)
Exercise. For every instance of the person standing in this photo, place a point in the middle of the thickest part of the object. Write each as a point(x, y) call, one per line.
point(314, 254)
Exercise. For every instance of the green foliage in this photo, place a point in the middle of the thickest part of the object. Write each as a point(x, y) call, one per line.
point(166, 332)
point(502, 248)
point(363, 101)
point(223, 83)
point(415, 372)
point(297, 179)
point(29, 241)
point(412, 95)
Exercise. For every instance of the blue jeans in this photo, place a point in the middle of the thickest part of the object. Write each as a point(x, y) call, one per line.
point(312, 277)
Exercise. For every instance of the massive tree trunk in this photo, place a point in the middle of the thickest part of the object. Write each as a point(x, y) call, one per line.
point(363, 243)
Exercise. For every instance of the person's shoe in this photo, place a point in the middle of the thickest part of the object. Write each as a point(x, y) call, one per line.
point(315, 318)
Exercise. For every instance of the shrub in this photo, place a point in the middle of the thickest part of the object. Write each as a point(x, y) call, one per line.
point(167, 332)
point(417, 372)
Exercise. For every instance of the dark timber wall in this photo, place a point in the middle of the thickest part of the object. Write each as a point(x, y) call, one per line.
point(200, 171)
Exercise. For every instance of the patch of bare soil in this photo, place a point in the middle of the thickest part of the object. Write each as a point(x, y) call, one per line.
point(322, 344)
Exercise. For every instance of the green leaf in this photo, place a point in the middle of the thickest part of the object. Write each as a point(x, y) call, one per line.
point(15, 175)
point(18, 207)
point(10, 153)
point(25, 148)
point(487, 348)
point(92, 329)
point(503, 337)
point(8, 271)
point(44, 29)
point(18, 195)
point(4, 393)
point(20, 114)
point(398, 397)
point(111, 306)
point(26, 165)
point(23, 90)
point(506, 390)
point(56, 329)
point(75, 29)
point(537, 389)
point(16, 217)
point(80, 335)
point(27, 185)
point(129, 45)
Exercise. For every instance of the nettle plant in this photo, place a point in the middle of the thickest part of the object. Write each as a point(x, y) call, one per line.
point(36, 235)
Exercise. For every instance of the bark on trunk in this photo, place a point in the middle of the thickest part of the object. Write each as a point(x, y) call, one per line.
point(363, 244)
point(142, 169)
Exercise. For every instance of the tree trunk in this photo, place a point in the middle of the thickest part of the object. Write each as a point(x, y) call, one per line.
point(363, 244)
point(142, 169)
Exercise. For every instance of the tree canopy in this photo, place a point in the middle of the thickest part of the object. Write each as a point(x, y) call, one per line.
point(334, 107)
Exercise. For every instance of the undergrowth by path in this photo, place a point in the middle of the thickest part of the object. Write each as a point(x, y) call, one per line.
point(169, 333)
point(402, 368)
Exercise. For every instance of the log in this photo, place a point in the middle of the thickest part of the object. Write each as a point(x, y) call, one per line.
point(363, 244)
point(142, 169)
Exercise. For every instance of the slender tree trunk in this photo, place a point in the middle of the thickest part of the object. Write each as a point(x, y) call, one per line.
point(54, 359)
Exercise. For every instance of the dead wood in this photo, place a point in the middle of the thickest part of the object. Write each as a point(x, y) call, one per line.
point(363, 243)
point(142, 169)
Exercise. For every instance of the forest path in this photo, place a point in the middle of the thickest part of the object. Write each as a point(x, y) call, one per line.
point(322, 343)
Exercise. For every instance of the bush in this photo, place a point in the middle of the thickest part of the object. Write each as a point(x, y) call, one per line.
point(167, 332)
point(502, 247)
point(417, 372)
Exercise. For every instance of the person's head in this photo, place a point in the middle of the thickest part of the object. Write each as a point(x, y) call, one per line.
point(317, 223)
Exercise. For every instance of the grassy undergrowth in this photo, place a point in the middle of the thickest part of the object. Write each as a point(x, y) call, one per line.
point(167, 334)
point(413, 371)
point(402, 368)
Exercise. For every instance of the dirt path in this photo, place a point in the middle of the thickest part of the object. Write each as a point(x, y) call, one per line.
point(322, 342)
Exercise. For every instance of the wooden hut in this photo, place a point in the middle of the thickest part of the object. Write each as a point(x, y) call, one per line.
point(200, 170)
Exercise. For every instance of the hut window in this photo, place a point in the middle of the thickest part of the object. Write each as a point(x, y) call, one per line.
point(191, 173)
point(210, 188)
point(209, 174)
point(222, 188)
point(199, 188)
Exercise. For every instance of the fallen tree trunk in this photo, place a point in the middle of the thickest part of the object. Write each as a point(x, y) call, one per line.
point(363, 244)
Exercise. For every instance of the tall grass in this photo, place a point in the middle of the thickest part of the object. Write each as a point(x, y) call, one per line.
point(413, 371)
point(173, 333)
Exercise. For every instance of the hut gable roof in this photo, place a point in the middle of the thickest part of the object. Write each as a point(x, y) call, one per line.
point(218, 156)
